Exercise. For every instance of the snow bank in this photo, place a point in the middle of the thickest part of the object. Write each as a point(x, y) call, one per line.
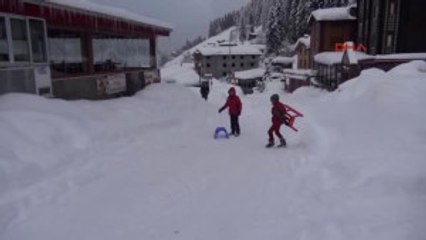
point(250, 74)
point(180, 73)
point(355, 170)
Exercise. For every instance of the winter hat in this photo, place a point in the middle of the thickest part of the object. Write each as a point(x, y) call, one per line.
point(231, 90)
point(275, 98)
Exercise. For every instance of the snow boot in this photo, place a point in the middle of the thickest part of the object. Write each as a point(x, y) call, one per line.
point(270, 144)
point(283, 143)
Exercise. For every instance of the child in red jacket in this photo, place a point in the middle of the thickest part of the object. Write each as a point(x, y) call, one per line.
point(278, 118)
point(234, 105)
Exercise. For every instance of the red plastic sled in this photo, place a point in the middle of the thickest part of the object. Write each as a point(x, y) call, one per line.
point(291, 115)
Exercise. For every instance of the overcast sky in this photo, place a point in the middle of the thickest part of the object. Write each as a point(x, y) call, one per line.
point(190, 18)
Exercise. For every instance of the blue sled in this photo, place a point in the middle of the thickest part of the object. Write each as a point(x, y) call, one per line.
point(218, 131)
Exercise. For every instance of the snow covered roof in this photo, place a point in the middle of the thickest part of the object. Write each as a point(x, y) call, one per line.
point(283, 60)
point(402, 56)
point(302, 74)
point(331, 58)
point(96, 8)
point(234, 50)
point(250, 74)
point(305, 72)
point(305, 40)
point(333, 14)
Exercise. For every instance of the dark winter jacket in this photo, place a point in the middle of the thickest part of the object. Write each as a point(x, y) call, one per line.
point(233, 103)
point(278, 113)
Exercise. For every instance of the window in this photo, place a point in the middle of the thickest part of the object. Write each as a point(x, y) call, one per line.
point(242, 65)
point(392, 9)
point(224, 74)
point(389, 41)
point(224, 57)
point(252, 64)
point(233, 57)
point(233, 64)
point(4, 45)
point(241, 57)
point(208, 65)
point(18, 35)
point(65, 53)
point(38, 40)
point(21, 50)
point(224, 65)
point(208, 57)
point(115, 53)
point(254, 57)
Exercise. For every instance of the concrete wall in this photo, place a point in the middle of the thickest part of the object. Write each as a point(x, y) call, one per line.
point(86, 87)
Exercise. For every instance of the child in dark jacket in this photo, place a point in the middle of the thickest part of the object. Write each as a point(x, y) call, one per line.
point(234, 105)
point(278, 118)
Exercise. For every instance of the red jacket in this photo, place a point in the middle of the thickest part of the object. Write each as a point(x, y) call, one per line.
point(278, 113)
point(233, 103)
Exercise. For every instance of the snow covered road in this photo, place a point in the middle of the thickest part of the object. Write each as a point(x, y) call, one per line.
point(147, 167)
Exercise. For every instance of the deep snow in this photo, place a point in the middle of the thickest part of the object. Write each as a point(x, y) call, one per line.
point(147, 167)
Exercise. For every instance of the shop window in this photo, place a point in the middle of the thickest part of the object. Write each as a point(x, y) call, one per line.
point(21, 51)
point(38, 40)
point(4, 45)
point(117, 53)
point(65, 53)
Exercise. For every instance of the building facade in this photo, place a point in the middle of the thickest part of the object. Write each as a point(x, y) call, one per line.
point(302, 49)
point(332, 26)
point(59, 49)
point(392, 26)
point(224, 61)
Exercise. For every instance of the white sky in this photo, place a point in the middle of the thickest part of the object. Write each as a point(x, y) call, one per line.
point(190, 18)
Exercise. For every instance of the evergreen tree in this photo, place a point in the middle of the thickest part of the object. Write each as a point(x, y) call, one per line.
point(274, 30)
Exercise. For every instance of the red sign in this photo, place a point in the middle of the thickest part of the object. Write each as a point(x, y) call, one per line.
point(341, 47)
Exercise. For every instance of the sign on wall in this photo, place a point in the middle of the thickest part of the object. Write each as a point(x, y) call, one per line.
point(111, 84)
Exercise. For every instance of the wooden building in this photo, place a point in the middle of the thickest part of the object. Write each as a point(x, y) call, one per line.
point(302, 49)
point(331, 26)
point(76, 49)
point(392, 26)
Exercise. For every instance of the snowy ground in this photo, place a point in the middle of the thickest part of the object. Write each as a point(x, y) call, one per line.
point(147, 167)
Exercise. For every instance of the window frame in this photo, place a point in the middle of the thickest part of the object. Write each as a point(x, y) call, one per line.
point(8, 17)
point(46, 45)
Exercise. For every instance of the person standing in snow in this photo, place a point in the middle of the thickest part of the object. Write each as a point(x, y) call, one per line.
point(278, 118)
point(234, 105)
point(204, 89)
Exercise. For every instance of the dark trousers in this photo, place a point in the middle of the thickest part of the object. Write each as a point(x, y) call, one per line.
point(275, 129)
point(235, 125)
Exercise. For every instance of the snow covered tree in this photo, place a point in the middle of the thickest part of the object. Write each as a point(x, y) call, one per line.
point(274, 28)
point(243, 30)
